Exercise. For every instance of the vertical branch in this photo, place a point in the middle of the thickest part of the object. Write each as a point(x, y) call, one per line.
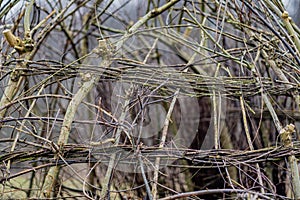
point(287, 22)
point(15, 79)
point(24, 48)
point(27, 20)
point(162, 143)
point(216, 114)
point(250, 143)
point(286, 138)
point(52, 174)
point(167, 121)
point(112, 161)
point(144, 176)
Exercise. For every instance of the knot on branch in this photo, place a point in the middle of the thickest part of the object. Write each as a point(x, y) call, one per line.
point(21, 46)
point(104, 49)
point(286, 135)
point(285, 15)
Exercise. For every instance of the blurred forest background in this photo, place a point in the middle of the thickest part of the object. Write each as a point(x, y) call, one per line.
point(156, 99)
